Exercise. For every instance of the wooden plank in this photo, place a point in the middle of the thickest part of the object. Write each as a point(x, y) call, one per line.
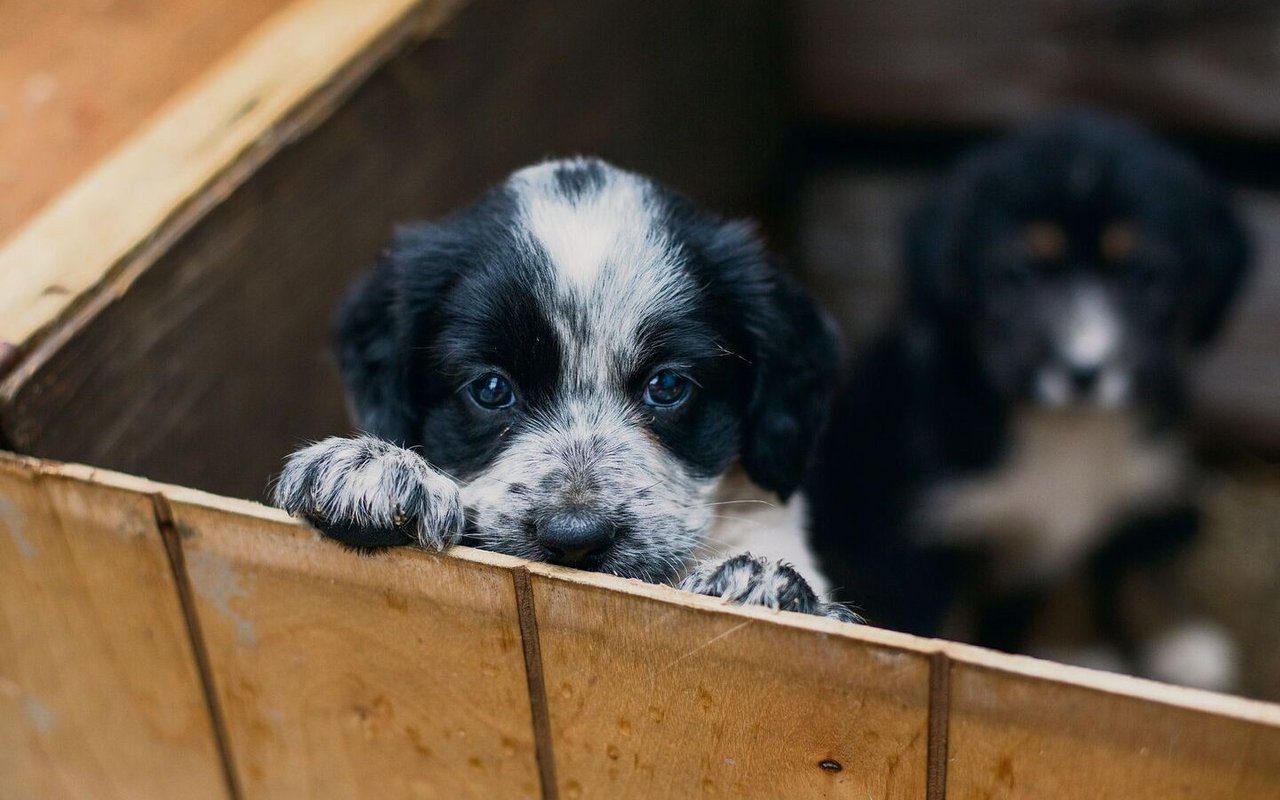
point(1023, 728)
point(78, 76)
point(1206, 66)
point(194, 152)
point(658, 693)
point(214, 363)
point(347, 676)
point(342, 675)
point(99, 692)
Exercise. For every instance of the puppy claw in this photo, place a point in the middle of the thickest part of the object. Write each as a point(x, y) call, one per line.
point(756, 581)
point(366, 492)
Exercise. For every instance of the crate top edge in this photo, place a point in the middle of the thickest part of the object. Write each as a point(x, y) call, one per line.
point(948, 654)
point(282, 80)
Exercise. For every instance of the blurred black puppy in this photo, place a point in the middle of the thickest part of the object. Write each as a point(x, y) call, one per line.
point(1019, 425)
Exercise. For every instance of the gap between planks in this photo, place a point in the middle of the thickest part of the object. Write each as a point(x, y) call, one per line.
point(939, 725)
point(177, 563)
point(538, 706)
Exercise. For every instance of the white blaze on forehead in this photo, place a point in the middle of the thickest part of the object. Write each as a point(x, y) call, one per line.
point(1090, 333)
point(611, 225)
point(609, 249)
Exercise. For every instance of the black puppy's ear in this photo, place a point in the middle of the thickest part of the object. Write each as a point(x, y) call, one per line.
point(1222, 251)
point(380, 327)
point(795, 360)
point(927, 253)
point(371, 356)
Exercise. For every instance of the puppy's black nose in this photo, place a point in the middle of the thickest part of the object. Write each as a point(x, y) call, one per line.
point(1085, 378)
point(574, 538)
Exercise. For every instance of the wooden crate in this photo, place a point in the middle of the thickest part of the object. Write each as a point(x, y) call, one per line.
point(158, 641)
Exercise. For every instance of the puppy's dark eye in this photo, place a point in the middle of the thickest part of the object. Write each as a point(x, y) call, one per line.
point(666, 388)
point(492, 391)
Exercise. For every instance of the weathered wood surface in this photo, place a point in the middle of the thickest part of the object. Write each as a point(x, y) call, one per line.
point(78, 76)
point(215, 362)
point(650, 698)
point(1205, 65)
point(337, 675)
point(99, 692)
point(114, 220)
point(1022, 728)
point(346, 676)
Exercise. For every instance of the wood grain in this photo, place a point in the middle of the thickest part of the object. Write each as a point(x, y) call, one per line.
point(212, 363)
point(1052, 731)
point(347, 676)
point(403, 675)
point(78, 76)
point(663, 694)
point(213, 135)
point(99, 693)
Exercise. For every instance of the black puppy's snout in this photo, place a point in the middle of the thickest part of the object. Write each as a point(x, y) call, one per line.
point(1085, 378)
point(574, 538)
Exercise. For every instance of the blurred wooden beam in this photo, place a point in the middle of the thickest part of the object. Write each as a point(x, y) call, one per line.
point(78, 76)
point(1210, 66)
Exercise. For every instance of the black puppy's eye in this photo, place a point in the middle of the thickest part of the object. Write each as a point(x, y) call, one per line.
point(666, 388)
point(492, 391)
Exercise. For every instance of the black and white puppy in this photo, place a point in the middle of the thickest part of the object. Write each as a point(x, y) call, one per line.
point(577, 369)
point(1019, 425)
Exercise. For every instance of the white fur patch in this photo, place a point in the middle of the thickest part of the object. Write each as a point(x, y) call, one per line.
point(370, 483)
point(1199, 653)
point(596, 451)
point(747, 519)
point(584, 234)
point(1068, 476)
point(614, 264)
point(1090, 333)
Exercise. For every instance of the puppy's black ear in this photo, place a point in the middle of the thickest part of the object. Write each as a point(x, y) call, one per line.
point(380, 329)
point(928, 254)
point(1222, 255)
point(370, 353)
point(795, 361)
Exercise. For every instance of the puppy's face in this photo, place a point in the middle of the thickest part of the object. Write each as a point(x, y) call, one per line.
point(588, 354)
point(1085, 259)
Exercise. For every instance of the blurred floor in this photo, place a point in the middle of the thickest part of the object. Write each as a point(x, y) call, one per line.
point(78, 76)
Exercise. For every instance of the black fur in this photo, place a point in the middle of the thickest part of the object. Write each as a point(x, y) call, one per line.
point(931, 400)
point(459, 290)
point(575, 284)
